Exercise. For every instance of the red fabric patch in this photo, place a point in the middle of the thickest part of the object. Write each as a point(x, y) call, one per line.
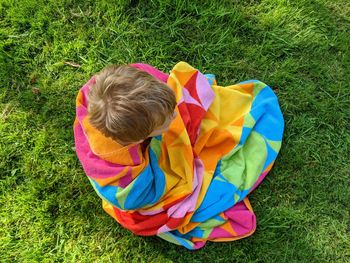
point(144, 225)
point(192, 88)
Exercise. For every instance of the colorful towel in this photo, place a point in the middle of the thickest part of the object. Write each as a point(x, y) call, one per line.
point(190, 184)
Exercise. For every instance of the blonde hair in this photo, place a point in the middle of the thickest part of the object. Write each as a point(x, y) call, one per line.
point(127, 104)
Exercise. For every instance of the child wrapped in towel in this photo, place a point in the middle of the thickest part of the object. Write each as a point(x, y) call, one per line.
point(176, 155)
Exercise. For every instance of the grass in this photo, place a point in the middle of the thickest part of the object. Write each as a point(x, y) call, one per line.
point(48, 210)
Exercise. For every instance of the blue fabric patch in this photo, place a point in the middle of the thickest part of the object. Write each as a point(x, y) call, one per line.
point(148, 187)
point(267, 114)
point(218, 198)
point(107, 192)
point(249, 81)
point(245, 133)
point(271, 156)
point(210, 78)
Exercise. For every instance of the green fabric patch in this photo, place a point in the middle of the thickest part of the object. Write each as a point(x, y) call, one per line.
point(249, 121)
point(258, 86)
point(155, 146)
point(243, 167)
point(275, 145)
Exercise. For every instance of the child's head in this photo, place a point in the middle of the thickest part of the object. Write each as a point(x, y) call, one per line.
point(130, 105)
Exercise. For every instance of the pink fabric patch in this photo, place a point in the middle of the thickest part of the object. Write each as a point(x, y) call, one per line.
point(242, 220)
point(204, 91)
point(126, 179)
point(198, 245)
point(219, 232)
point(85, 91)
point(92, 81)
point(187, 98)
point(134, 154)
point(93, 165)
point(151, 212)
point(261, 177)
point(81, 112)
point(188, 204)
point(163, 228)
point(151, 70)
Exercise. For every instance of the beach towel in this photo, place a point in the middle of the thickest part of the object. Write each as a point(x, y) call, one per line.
point(190, 184)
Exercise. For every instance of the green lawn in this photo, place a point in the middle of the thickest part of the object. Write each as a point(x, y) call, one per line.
point(49, 212)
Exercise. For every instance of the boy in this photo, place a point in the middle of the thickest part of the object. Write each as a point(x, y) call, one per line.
point(176, 155)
